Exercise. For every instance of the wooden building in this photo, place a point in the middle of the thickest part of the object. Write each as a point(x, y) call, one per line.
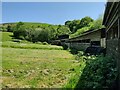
point(87, 39)
point(112, 24)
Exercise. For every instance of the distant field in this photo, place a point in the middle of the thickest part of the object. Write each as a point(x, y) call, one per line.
point(7, 41)
point(35, 66)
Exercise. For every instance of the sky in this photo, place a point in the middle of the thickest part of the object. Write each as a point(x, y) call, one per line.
point(50, 12)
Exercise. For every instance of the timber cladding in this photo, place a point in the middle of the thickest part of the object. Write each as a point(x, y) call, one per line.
point(111, 21)
point(84, 41)
point(112, 24)
point(94, 35)
point(113, 48)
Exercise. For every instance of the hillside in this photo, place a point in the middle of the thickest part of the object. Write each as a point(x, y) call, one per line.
point(28, 24)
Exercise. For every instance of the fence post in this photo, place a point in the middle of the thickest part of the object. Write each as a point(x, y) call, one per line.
point(118, 45)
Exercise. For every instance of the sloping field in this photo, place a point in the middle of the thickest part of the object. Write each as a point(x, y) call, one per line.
point(36, 68)
point(27, 65)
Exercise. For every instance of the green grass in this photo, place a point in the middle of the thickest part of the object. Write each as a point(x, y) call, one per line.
point(6, 36)
point(7, 41)
point(36, 68)
point(10, 44)
point(28, 65)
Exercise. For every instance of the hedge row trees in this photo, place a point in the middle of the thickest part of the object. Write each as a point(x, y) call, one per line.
point(19, 31)
point(77, 24)
point(72, 25)
point(42, 34)
point(86, 24)
point(97, 24)
point(9, 29)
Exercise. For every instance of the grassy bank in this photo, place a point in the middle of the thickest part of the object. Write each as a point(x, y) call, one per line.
point(28, 65)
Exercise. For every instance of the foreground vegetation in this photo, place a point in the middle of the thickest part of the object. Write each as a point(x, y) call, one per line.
point(26, 68)
point(40, 65)
point(35, 67)
point(96, 72)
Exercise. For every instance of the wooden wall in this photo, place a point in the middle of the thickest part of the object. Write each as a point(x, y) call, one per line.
point(93, 36)
point(78, 46)
point(112, 23)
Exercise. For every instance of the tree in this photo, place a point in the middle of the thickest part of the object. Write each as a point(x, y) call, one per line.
point(19, 31)
point(43, 35)
point(85, 21)
point(9, 28)
point(72, 25)
point(88, 24)
point(97, 24)
point(62, 30)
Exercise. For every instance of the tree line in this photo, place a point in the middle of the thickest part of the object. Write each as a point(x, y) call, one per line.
point(47, 32)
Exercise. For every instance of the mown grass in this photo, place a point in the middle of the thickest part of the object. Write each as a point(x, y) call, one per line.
point(28, 65)
point(37, 68)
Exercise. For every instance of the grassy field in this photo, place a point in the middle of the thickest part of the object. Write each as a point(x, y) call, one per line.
point(6, 36)
point(46, 66)
point(7, 41)
point(36, 68)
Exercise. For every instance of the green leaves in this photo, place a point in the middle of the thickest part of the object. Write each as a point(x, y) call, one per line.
point(99, 73)
point(86, 24)
point(42, 32)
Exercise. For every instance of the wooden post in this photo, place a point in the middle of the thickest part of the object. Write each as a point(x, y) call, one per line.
point(118, 45)
point(119, 20)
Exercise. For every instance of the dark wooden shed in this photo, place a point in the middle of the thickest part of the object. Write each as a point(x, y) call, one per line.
point(112, 24)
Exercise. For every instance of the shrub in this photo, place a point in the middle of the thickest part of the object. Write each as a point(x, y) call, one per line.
point(20, 33)
point(65, 47)
point(73, 51)
point(79, 56)
point(100, 72)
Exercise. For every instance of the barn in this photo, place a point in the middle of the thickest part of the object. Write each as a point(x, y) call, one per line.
point(87, 39)
point(112, 23)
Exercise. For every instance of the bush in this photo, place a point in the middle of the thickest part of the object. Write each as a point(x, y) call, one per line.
point(79, 56)
point(100, 72)
point(43, 33)
point(73, 51)
point(65, 47)
point(20, 33)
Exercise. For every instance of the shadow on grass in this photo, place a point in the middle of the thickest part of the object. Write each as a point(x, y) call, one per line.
point(73, 51)
point(12, 36)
